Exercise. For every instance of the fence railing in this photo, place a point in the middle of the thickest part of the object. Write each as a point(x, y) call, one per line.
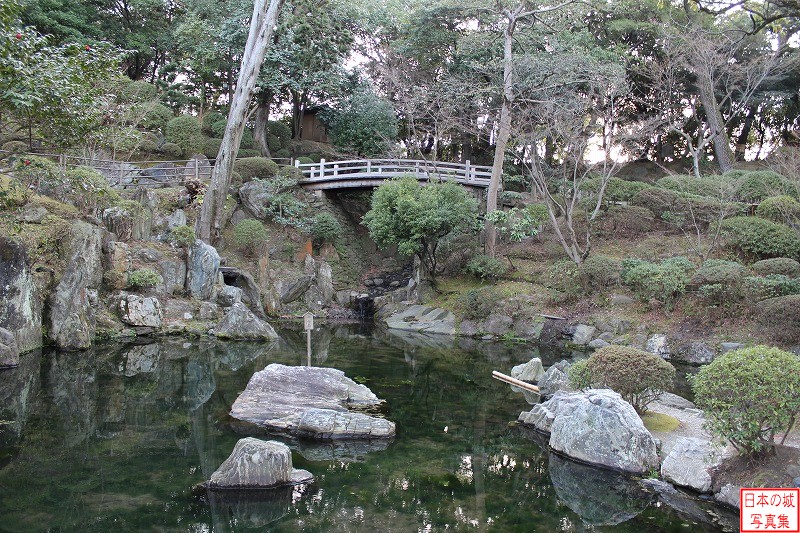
point(326, 171)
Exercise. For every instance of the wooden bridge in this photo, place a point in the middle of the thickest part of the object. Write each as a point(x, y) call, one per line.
point(371, 173)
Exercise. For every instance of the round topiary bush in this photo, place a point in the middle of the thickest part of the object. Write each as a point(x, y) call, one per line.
point(143, 278)
point(185, 132)
point(580, 378)
point(156, 117)
point(249, 235)
point(303, 160)
point(598, 272)
point(273, 143)
point(627, 220)
point(761, 239)
point(486, 267)
point(638, 376)
point(784, 209)
point(658, 201)
point(777, 265)
point(325, 228)
point(211, 147)
point(281, 131)
point(761, 184)
point(248, 141)
point(759, 288)
point(750, 396)
point(283, 153)
point(209, 119)
point(171, 150)
point(664, 282)
point(477, 304)
point(255, 168)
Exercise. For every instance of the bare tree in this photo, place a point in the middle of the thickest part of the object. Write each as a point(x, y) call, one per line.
point(262, 27)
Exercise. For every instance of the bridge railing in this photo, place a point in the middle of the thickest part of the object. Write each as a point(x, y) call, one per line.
point(325, 171)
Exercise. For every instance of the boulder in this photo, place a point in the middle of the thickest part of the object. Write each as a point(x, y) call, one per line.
point(695, 353)
point(256, 196)
point(530, 371)
point(240, 323)
point(689, 463)
point(324, 282)
point(33, 215)
point(597, 427)
point(728, 495)
point(173, 274)
point(583, 334)
point(555, 379)
point(296, 289)
point(726, 347)
point(9, 352)
point(657, 344)
point(203, 269)
point(177, 218)
point(141, 311)
point(596, 344)
point(310, 402)
point(257, 464)
point(423, 319)
point(229, 295)
point(20, 305)
point(498, 325)
point(74, 298)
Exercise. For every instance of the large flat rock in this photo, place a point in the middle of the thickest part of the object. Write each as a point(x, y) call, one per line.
point(424, 319)
point(311, 402)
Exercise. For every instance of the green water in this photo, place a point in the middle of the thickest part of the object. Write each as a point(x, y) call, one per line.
point(114, 439)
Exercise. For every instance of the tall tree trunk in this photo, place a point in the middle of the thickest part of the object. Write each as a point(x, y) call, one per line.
point(503, 133)
point(747, 127)
point(296, 112)
point(261, 131)
point(719, 135)
point(262, 27)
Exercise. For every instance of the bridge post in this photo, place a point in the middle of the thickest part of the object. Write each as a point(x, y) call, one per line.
point(369, 167)
point(468, 169)
point(321, 169)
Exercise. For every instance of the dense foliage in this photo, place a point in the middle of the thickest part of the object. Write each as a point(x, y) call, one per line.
point(638, 376)
point(415, 217)
point(750, 396)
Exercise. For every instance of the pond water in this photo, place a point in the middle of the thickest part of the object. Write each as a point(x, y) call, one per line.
point(115, 438)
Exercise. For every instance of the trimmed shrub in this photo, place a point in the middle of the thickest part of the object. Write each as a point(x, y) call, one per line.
point(780, 317)
point(759, 288)
point(598, 272)
point(245, 153)
point(183, 236)
point(777, 265)
point(580, 378)
point(758, 185)
point(325, 228)
point(719, 271)
point(750, 396)
point(255, 168)
point(638, 376)
point(209, 119)
point(757, 238)
point(38, 173)
point(249, 235)
point(171, 150)
point(305, 160)
point(665, 282)
point(273, 143)
point(486, 267)
point(627, 220)
point(185, 132)
point(617, 190)
point(283, 153)
point(15, 147)
point(143, 278)
point(783, 209)
point(564, 277)
point(156, 117)
point(137, 91)
point(658, 201)
point(211, 147)
point(281, 131)
point(217, 128)
point(479, 303)
point(248, 142)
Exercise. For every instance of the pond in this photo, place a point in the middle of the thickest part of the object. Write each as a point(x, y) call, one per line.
point(115, 438)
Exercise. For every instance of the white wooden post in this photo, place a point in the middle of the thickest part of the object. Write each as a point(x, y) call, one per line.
point(335, 171)
point(321, 169)
point(469, 171)
point(308, 325)
point(296, 163)
point(369, 167)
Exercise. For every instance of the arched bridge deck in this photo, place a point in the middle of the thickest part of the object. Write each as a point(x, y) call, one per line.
point(370, 173)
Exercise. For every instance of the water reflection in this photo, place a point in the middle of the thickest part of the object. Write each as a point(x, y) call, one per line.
point(114, 438)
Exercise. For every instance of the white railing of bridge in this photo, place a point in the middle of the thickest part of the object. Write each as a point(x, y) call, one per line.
point(327, 171)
